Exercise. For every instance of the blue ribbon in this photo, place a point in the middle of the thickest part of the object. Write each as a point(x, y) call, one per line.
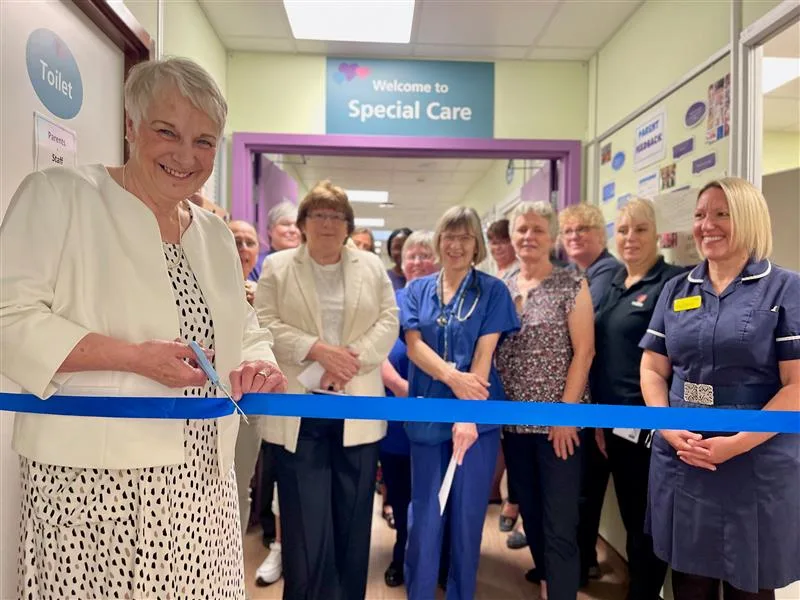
point(440, 410)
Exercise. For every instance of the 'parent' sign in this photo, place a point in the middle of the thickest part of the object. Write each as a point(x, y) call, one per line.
point(404, 97)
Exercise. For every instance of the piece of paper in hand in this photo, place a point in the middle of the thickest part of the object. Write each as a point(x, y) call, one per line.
point(447, 483)
point(311, 376)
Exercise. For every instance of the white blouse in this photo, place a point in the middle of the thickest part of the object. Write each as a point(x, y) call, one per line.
point(329, 281)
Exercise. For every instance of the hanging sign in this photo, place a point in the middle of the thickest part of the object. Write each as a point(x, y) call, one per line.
point(650, 144)
point(56, 146)
point(54, 73)
point(408, 97)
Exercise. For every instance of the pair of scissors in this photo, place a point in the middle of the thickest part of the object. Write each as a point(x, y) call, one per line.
point(213, 376)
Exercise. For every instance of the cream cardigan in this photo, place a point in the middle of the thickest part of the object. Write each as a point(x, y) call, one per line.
point(78, 254)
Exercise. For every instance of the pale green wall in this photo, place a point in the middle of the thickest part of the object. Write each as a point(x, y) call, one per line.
point(276, 93)
point(286, 94)
point(146, 12)
point(660, 43)
point(753, 10)
point(491, 189)
point(187, 32)
point(780, 152)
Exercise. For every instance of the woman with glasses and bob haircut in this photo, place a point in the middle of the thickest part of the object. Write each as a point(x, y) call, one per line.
point(326, 302)
point(453, 322)
point(724, 509)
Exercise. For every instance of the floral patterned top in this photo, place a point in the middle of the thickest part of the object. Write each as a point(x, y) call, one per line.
point(533, 362)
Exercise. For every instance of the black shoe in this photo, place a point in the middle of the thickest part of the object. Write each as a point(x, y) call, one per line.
point(533, 576)
point(393, 576)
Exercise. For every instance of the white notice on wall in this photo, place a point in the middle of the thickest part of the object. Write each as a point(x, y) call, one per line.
point(648, 186)
point(55, 145)
point(675, 211)
point(650, 145)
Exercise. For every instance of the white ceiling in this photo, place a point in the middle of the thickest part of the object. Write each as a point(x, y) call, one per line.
point(460, 29)
point(782, 105)
point(420, 188)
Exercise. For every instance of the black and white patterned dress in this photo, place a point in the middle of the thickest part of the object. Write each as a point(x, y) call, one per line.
point(157, 533)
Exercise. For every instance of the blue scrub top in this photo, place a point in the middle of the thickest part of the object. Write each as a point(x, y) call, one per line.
point(396, 440)
point(736, 338)
point(494, 313)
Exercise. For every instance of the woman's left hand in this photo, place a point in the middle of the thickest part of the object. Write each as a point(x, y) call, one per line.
point(464, 435)
point(564, 440)
point(256, 376)
point(710, 452)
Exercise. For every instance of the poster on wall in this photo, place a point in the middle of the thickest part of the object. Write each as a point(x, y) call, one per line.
point(648, 186)
point(718, 123)
point(650, 143)
point(56, 146)
point(605, 154)
point(608, 191)
point(667, 177)
point(409, 97)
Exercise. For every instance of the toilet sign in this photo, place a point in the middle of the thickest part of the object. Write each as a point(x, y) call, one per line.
point(54, 73)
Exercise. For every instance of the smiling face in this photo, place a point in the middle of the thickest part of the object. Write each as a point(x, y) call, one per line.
point(173, 148)
point(582, 243)
point(713, 229)
point(457, 248)
point(530, 237)
point(284, 234)
point(502, 251)
point(418, 261)
point(325, 230)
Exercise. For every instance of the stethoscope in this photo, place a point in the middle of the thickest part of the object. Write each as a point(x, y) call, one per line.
point(443, 320)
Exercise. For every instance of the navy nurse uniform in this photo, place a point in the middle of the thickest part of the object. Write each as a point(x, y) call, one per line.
point(481, 306)
point(741, 523)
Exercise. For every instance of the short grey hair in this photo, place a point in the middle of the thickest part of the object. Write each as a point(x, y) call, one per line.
point(542, 209)
point(419, 238)
point(148, 79)
point(281, 211)
point(457, 217)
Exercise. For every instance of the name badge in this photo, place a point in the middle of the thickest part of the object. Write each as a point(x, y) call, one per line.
point(688, 303)
point(632, 435)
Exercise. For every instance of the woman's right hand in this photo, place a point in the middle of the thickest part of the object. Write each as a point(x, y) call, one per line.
point(468, 386)
point(172, 364)
point(678, 438)
point(341, 363)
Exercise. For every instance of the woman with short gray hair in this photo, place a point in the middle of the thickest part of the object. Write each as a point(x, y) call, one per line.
point(548, 360)
point(121, 273)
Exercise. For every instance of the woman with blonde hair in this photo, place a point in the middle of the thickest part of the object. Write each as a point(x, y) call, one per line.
point(724, 509)
point(620, 323)
point(453, 322)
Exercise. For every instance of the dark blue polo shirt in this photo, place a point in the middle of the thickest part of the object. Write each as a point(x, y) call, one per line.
point(620, 323)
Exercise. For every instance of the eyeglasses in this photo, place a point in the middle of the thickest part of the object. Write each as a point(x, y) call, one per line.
point(462, 240)
point(579, 231)
point(245, 243)
point(331, 217)
point(418, 257)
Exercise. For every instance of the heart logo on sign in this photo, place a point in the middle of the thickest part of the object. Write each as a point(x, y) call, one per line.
point(362, 72)
point(338, 78)
point(348, 70)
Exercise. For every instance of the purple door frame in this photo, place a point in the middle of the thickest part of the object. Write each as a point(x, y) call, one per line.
point(246, 144)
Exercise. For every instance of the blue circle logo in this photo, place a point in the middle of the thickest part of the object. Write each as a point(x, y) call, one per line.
point(54, 73)
point(694, 114)
point(619, 160)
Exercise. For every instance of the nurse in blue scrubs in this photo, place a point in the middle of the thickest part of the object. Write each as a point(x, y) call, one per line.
point(453, 322)
point(724, 510)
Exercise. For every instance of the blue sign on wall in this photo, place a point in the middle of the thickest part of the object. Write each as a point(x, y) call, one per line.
point(54, 73)
point(407, 97)
point(608, 191)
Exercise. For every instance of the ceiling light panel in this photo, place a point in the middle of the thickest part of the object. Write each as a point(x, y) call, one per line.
point(381, 21)
point(368, 196)
point(369, 222)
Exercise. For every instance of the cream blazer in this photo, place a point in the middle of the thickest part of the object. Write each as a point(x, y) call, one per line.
point(78, 254)
point(287, 303)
